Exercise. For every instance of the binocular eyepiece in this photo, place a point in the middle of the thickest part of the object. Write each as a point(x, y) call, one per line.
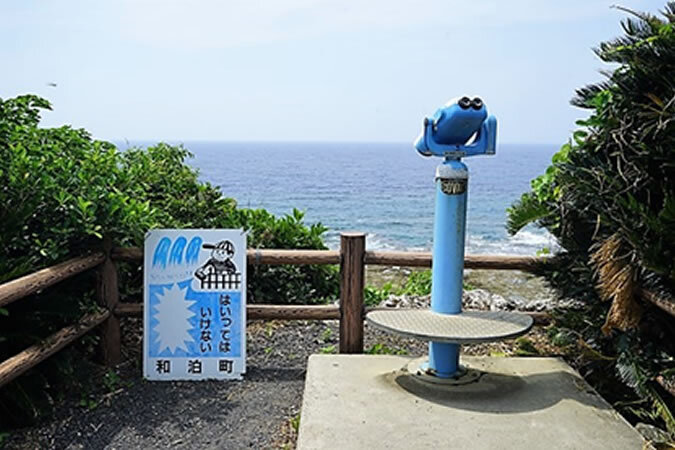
point(466, 103)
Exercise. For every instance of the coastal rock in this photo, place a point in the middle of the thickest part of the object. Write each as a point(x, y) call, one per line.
point(482, 299)
point(407, 301)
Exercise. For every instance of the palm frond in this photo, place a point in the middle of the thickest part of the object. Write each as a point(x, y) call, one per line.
point(616, 283)
point(525, 211)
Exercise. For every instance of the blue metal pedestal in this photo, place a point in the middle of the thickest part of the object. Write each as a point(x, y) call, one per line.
point(460, 128)
point(448, 255)
point(446, 326)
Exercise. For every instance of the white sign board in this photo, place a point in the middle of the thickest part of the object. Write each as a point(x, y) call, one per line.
point(194, 321)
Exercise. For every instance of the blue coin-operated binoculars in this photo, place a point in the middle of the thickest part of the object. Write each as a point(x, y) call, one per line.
point(459, 129)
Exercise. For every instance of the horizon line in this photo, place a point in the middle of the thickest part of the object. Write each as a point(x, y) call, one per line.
point(292, 141)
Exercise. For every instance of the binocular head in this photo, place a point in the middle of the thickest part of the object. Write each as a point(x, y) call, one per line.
point(460, 128)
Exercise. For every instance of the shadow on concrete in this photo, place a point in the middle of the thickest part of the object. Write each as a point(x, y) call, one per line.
point(501, 393)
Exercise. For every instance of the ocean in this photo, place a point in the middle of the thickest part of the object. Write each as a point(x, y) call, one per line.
point(383, 189)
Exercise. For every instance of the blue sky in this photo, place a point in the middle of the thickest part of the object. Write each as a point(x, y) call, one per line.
point(334, 70)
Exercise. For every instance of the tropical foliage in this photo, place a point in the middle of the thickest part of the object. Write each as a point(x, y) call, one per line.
point(609, 199)
point(61, 191)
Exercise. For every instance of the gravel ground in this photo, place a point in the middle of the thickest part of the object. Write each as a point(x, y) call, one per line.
point(258, 412)
point(254, 413)
point(204, 414)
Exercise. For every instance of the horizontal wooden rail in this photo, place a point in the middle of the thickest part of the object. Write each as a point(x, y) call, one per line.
point(258, 312)
point(292, 312)
point(409, 259)
point(423, 259)
point(130, 254)
point(256, 257)
point(37, 281)
point(497, 262)
point(278, 257)
point(33, 355)
point(126, 309)
point(297, 312)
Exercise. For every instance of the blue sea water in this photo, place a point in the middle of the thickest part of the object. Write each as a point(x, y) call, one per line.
point(383, 189)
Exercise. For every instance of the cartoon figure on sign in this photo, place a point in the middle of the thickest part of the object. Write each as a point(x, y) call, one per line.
point(219, 272)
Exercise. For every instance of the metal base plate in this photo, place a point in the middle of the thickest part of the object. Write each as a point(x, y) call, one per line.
point(465, 328)
point(419, 369)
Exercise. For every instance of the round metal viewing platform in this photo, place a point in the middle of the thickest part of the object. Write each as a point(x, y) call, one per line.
point(468, 327)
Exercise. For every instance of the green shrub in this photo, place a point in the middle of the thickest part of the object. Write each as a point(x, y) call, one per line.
point(609, 199)
point(418, 283)
point(373, 296)
point(382, 349)
point(61, 191)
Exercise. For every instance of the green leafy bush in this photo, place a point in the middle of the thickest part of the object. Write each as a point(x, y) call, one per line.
point(609, 199)
point(374, 295)
point(61, 191)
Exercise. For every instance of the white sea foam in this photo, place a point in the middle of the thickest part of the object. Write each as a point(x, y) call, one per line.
point(373, 242)
point(377, 242)
point(524, 242)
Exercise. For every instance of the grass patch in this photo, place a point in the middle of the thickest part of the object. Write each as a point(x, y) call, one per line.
point(418, 283)
point(295, 422)
point(381, 349)
point(329, 349)
point(525, 347)
point(326, 335)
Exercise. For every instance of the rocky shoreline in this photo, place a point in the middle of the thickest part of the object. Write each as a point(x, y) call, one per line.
point(482, 299)
point(491, 290)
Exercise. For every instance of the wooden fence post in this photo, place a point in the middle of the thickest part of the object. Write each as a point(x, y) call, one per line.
point(352, 257)
point(108, 296)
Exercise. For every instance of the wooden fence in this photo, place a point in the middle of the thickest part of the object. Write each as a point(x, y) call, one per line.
point(352, 259)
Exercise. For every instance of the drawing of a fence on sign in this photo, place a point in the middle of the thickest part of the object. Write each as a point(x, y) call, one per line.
point(211, 278)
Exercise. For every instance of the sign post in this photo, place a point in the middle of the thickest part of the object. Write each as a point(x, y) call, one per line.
point(194, 320)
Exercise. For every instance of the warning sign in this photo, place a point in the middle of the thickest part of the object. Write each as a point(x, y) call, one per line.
point(195, 304)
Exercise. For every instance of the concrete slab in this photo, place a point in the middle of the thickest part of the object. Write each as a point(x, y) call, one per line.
point(372, 402)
